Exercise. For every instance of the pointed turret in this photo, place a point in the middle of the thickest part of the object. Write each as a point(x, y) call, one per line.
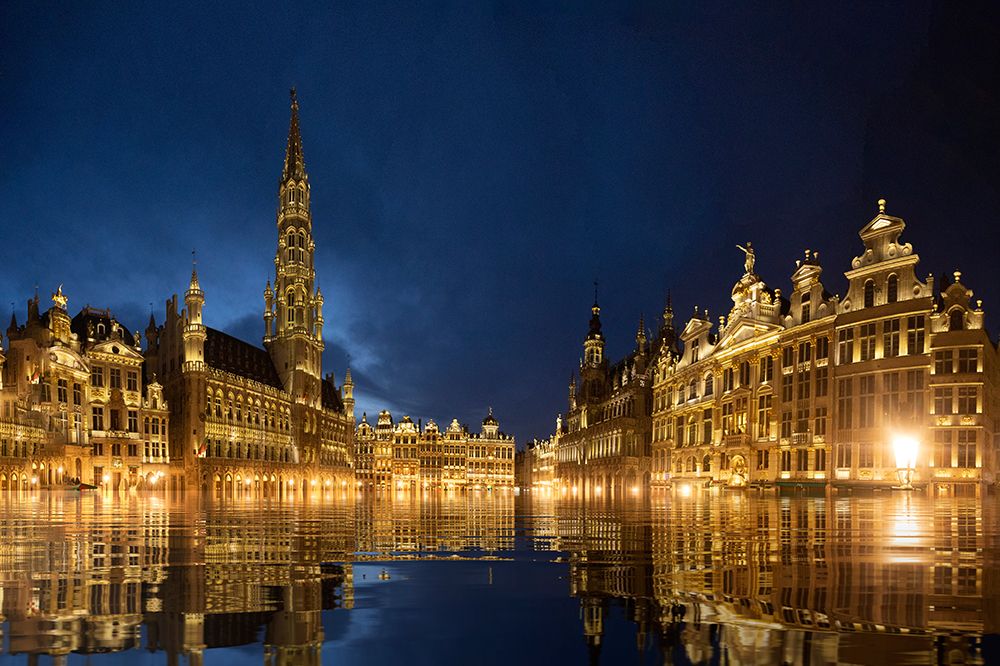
point(640, 335)
point(349, 394)
point(295, 164)
point(12, 329)
point(593, 344)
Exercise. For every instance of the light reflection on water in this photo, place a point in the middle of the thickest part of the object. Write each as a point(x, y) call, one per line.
point(701, 577)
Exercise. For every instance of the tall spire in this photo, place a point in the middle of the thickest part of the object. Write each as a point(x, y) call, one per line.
point(295, 164)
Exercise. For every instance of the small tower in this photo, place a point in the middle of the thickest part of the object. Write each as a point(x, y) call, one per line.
point(349, 395)
point(194, 330)
point(593, 344)
point(640, 336)
point(572, 391)
point(268, 312)
point(491, 427)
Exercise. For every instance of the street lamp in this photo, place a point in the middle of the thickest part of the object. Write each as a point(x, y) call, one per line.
point(905, 447)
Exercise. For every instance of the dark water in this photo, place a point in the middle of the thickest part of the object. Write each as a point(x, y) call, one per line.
point(705, 577)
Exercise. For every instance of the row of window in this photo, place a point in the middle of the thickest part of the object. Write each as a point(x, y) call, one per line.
point(114, 374)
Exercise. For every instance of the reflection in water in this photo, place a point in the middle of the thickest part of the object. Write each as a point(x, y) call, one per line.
point(707, 576)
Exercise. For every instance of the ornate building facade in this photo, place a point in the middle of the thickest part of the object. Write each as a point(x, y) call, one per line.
point(894, 383)
point(249, 420)
point(604, 444)
point(410, 456)
point(75, 404)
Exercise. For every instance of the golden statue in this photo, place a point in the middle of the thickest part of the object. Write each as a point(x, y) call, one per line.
point(750, 258)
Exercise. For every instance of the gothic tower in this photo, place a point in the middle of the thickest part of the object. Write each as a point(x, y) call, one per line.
point(293, 311)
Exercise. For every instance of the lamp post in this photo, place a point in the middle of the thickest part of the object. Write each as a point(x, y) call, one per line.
point(905, 447)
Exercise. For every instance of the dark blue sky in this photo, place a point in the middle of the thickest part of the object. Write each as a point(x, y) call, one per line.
point(474, 168)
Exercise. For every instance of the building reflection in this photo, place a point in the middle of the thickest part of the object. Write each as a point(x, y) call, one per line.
point(778, 579)
point(93, 574)
point(698, 575)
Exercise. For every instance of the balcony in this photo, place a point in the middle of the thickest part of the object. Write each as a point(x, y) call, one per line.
point(801, 438)
point(738, 439)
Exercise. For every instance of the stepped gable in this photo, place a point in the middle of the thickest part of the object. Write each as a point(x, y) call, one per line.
point(229, 354)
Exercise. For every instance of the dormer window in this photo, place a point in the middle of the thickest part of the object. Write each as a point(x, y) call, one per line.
point(806, 308)
point(956, 320)
point(694, 354)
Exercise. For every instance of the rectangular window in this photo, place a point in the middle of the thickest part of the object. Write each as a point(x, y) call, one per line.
point(764, 416)
point(786, 460)
point(803, 384)
point(762, 460)
point(116, 378)
point(802, 460)
point(822, 375)
point(844, 455)
point(802, 420)
point(822, 348)
point(62, 391)
point(967, 448)
point(942, 362)
point(819, 422)
point(820, 460)
point(866, 403)
point(115, 419)
point(745, 373)
point(786, 388)
point(97, 418)
point(46, 391)
point(968, 360)
point(890, 395)
point(805, 352)
point(728, 422)
point(787, 357)
point(786, 424)
point(866, 339)
point(77, 395)
point(942, 448)
point(845, 346)
point(890, 338)
point(915, 393)
point(132, 381)
point(133, 449)
point(97, 376)
point(706, 426)
point(727, 379)
point(845, 397)
point(133, 420)
point(866, 454)
point(915, 335)
point(766, 369)
point(967, 396)
point(943, 400)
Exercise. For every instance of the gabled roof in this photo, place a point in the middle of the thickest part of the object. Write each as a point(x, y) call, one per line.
point(331, 397)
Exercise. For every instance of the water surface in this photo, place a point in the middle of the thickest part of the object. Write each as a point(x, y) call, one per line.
point(696, 577)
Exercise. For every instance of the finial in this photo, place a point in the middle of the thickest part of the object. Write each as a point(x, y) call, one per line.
point(292, 95)
point(958, 275)
point(881, 206)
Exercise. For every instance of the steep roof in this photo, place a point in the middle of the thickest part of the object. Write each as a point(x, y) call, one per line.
point(229, 354)
point(331, 397)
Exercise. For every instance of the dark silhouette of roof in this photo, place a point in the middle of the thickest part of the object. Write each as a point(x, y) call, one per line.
point(331, 397)
point(87, 320)
point(229, 354)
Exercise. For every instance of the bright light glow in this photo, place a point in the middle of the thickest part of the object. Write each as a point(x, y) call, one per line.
point(685, 490)
point(106, 478)
point(905, 448)
point(247, 482)
point(291, 482)
point(343, 483)
point(597, 490)
point(313, 482)
point(34, 480)
point(60, 470)
point(635, 490)
point(154, 479)
point(574, 490)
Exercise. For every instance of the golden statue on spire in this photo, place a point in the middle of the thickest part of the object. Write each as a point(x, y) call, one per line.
point(59, 299)
point(750, 257)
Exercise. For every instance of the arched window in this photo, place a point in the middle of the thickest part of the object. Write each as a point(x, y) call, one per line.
point(709, 384)
point(956, 320)
point(291, 307)
point(706, 464)
point(869, 293)
point(892, 289)
point(806, 308)
point(692, 390)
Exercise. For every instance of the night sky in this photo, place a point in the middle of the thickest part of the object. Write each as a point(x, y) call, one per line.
point(475, 169)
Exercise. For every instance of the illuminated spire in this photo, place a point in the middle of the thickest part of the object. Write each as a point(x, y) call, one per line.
point(295, 165)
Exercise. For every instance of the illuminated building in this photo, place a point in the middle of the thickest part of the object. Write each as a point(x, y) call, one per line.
point(814, 389)
point(408, 455)
point(604, 443)
point(76, 403)
point(253, 421)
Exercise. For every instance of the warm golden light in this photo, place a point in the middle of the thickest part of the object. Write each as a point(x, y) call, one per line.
point(106, 478)
point(905, 448)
